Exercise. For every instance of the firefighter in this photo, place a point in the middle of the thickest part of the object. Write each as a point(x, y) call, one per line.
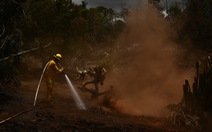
point(52, 70)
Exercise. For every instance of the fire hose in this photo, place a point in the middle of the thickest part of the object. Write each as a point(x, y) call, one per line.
point(76, 97)
point(20, 113)
point(36, 94)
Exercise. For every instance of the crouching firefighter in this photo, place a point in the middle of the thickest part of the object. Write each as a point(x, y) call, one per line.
point(52, 70)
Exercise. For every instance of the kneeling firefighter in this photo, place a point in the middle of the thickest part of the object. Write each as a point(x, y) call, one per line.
point(52, 70)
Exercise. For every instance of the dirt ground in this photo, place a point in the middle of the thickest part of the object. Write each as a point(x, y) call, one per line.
point(63, 115)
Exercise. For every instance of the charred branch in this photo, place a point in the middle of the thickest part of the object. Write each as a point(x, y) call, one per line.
point(24, 52)
point(17, 3)
point(5, 40)
point(3, 30)
point(197, 100)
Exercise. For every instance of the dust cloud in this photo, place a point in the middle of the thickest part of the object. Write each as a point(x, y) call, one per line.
point(151, 79)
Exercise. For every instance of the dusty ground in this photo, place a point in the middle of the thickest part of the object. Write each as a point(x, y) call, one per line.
point(63, 115)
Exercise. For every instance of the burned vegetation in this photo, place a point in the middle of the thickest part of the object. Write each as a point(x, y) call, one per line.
point(195, 108)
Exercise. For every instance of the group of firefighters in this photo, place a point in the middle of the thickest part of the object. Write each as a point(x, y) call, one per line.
point(54, 68)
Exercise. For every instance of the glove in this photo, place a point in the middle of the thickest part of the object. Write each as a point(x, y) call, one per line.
point(62, 70)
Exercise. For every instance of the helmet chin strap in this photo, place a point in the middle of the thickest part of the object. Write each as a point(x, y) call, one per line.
point(56, 60)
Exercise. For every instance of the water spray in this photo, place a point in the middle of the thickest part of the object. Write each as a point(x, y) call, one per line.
point(77, 98)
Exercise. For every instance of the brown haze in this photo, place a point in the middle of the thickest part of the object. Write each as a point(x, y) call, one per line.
point(151, 80)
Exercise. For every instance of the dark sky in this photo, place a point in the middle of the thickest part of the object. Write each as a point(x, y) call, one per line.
point(115, 4)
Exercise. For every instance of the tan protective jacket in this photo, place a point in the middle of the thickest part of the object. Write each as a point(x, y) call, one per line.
point(52, 70)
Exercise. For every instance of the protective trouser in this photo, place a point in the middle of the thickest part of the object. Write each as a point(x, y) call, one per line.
point(49, 85)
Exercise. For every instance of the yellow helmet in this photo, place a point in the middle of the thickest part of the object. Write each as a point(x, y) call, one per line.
point(58, 57)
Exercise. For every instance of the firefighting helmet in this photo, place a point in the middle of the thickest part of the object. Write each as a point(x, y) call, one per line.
point(58, 57)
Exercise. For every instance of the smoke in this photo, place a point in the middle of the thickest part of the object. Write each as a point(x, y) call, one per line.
point(152, 78)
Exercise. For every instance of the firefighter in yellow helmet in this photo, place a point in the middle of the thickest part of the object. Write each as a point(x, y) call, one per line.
point(52, 70)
